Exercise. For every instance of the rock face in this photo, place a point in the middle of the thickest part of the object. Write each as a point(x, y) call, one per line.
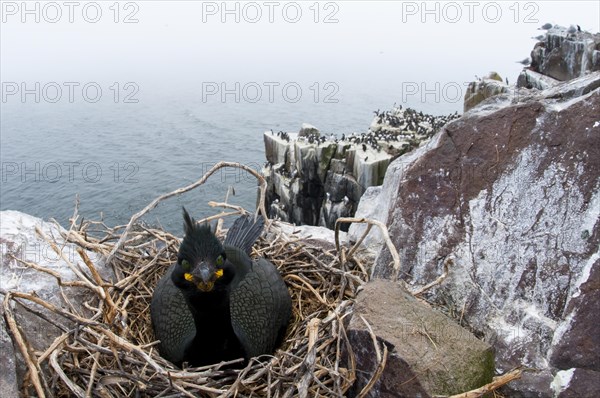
point(19, 240)
point(512, 191)
point(483, 89)
point(530, 79)
point(314, 179)
point(564, 56)
point(428, 353)
point(311, 182)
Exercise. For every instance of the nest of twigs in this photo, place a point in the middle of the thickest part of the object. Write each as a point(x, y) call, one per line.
point(109, 349)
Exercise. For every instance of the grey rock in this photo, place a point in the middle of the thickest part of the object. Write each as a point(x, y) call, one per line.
point(18, 239)
point(565, 55)
point(308, 129)
point(531, 79)
point(9, 385)
point(276, 148)
point(301, 170)
point(481, 90)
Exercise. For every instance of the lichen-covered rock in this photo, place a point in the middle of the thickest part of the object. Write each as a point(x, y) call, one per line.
point(429, 354)
point(512, 191)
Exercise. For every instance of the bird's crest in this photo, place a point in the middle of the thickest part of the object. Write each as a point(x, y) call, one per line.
point(199, 240)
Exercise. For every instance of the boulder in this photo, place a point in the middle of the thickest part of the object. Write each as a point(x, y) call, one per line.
point(429, 354)
point(308, 129)
point(531, 79)
point(481, 90)
point(511, 191)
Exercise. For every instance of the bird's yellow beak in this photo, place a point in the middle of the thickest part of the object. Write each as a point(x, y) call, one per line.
point(201, 285)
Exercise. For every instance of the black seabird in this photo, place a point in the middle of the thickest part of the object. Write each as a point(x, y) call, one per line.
point(216, 303)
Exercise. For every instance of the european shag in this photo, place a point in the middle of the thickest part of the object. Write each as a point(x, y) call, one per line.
point(216, 303)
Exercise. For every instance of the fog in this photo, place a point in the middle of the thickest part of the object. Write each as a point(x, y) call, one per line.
point(377, 47)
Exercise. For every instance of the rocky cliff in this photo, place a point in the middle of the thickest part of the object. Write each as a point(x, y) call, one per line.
point(566, 53)
point(511, 191)
point(314, 179)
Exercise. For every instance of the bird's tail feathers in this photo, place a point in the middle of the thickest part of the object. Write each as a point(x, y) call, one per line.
point(244, 232)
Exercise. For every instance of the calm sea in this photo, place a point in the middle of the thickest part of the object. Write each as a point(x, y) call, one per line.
point(118, 157)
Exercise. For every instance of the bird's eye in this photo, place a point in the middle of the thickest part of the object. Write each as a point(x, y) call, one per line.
point(185, 264)
point(220, 260)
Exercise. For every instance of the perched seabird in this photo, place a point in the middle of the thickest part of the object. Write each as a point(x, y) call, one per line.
point(525, 62)
point(539, 38)
point(572, 29)
point(546, 26)
point(578, 28)
point(216, 303)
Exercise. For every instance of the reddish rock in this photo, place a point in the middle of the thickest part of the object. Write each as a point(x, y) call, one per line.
point(582, 383)
point(512, 191)
point(577, 343)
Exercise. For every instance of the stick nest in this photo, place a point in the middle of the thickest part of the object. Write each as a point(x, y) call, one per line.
point(109, 350)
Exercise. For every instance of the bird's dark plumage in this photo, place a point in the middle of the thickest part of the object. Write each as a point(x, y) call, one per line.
point(216, 303)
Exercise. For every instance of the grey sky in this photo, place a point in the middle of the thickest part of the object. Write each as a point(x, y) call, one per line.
point(178, 45)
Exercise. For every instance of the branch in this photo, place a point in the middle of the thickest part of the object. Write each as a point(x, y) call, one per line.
point(155, 202)
point(384, 232)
